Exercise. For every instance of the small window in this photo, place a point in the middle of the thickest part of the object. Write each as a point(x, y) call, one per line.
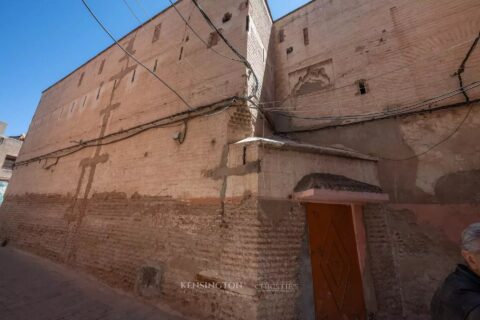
point(99, 89)
point(102, 65)
point(156, 32)
point(81, 79)
point(247, 25)
point(289, 50)
point(181, 54)
point(281, 36)
point(362, 87)
point(9, 162)
point(306, 41)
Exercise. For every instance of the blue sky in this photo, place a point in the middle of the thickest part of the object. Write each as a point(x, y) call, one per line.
point(44, 40)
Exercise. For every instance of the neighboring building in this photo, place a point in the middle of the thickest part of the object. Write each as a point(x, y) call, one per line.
point(356, 210)
point(9, 148)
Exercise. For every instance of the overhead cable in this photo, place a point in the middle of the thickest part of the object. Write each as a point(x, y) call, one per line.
point(132, 56)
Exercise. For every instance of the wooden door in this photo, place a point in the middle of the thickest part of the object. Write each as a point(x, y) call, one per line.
point(336, 273)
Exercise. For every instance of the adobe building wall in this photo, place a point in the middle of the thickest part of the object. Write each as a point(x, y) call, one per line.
point(146, 212)
point(9, 147)
point(407, 52)
point(282, 256)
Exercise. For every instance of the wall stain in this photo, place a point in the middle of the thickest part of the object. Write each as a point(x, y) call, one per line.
point(384, 138)
point(459, 187)
point(75, 214)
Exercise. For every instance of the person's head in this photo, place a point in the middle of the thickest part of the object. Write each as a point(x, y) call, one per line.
point(471, 247)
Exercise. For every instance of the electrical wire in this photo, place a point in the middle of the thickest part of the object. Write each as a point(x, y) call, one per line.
point(461, 69)
point(131, 11)
point(198, 36)
point(442, 141)
point(245, 62)
point(234, 50)
point(132, 56)
point(399, 110)
point(436, 54)
point(139, 3)
point(380, 114)
point(121, 135)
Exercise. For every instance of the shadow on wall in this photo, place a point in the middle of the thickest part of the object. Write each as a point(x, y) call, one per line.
point(400, 179)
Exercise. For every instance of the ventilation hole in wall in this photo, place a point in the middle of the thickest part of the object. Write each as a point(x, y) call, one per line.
point(155, 65)
point(362, 87)
point(187, 38)
point(156, 32)
point(133, 74)
point(281, 35)
point(306, 41)
point(243, 5)
point(226, 17)
point(244, 158)
point(289, 50)
point(247, 25)
point(181, 53)
point(81, 79)
point(213, 39)
point(102, 64)
point(99, 89)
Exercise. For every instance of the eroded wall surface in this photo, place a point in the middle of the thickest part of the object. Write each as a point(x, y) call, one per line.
point(405, 53)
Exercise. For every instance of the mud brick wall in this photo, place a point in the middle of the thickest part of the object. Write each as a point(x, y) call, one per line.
point(8, 147)
point(146, 213)
point(281, 236)
point(406, 52)
point(121, 237)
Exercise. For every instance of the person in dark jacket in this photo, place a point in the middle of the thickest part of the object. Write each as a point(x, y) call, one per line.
point(458, 298)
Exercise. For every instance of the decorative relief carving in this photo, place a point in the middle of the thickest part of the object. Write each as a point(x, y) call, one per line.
point(311, 79)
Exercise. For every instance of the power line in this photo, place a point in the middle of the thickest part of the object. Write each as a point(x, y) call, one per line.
point(117, 136)
point(198, 36)
point(462, 90)
point(461, 69)
point(436, 54)
point(131, 11)
point(246, 63)
point(139, 3)
point(436, 144)
point(237, 53)
point(132, 56)
point(418, 105)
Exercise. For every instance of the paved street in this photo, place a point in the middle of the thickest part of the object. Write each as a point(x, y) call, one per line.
point(34, 288)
